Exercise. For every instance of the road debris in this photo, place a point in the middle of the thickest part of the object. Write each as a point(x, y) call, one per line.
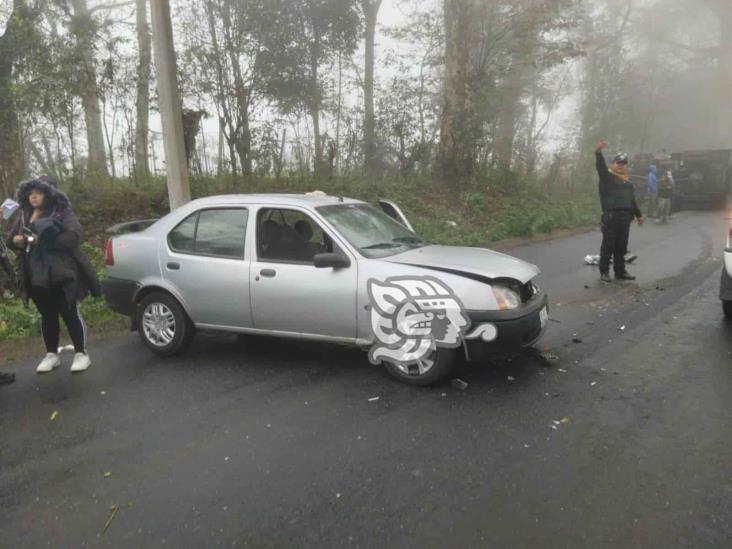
point(564, 420)
point(113, 511)
point(660, 288)
point(54, 415)
point(593, 383)
point(108, 474)
point(548, 356)
point(511, 378)
point(562, 370)
point(373, 399)
point(458, 383)
point(621, 328)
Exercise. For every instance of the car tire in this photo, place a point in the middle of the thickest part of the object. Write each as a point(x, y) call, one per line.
point(443, 364)
point(163, 325)
point(727, 308)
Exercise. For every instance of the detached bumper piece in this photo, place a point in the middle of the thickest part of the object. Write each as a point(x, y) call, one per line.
point(517, 329)
point(119, 295)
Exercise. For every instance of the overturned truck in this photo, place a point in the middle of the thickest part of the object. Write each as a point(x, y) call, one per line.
point(703, 178)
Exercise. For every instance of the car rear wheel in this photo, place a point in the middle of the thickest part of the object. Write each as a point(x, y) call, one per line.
point(430, 370)
point(163, 325)
point(727, 308)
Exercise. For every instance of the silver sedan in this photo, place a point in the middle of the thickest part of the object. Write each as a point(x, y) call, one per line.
point(322, 268)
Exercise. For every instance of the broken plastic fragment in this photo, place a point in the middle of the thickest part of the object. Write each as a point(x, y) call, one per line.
point(373, 399)
point(107, 474)
point(458, 383)
point(54, 415)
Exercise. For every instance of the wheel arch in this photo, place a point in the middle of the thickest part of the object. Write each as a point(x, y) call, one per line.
point(145, 291)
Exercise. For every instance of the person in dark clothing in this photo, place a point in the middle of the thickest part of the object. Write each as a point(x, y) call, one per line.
point(54, 272)
point(618, 210)
point(665, 196)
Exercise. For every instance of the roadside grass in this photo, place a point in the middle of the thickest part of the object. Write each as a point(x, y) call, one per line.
point(492, 209)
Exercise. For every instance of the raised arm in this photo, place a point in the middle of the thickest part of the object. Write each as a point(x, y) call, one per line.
point(600, 163)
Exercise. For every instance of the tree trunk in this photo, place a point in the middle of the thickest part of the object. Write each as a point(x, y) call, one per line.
point(315, 109)
point(142, 127)
point(12, 160)
point(83, 31)
point(531, 140)
point(457, 125)
point(725, 73)
point(371, 11)
point(505, 132)
point(339, 113)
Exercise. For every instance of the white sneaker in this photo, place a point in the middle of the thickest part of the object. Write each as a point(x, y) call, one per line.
point(48, 364)
point(81, 362)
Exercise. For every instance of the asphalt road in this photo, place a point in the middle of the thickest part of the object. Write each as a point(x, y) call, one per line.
point(625, 440)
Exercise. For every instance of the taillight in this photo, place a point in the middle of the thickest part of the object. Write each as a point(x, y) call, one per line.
point(109, 253)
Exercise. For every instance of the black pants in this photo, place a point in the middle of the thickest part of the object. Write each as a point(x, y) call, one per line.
point(615, 233)
point(51, 303)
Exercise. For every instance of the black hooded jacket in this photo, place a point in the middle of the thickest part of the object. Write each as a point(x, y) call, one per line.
point(56, 258)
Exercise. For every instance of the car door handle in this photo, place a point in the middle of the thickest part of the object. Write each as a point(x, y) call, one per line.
point(269, 273)
point(173, 266)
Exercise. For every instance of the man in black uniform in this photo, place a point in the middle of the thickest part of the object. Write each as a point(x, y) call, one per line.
point(618, 210)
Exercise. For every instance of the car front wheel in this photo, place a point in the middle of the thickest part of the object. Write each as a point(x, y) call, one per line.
point(430, 370)
point(163, 325)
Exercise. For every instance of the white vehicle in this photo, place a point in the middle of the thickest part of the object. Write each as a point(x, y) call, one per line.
point(725, 285)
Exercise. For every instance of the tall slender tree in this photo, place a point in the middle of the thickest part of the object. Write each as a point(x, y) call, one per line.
point(458, 127)
point(142, 103)
point(370, 10)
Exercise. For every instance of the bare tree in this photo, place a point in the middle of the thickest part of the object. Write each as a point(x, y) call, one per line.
point(371, 11)
point(142, 103)
point(83, 28)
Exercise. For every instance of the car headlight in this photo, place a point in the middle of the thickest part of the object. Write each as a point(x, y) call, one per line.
point(506, 298)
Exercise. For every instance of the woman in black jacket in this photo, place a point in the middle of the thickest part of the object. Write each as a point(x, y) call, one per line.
point(55, 273)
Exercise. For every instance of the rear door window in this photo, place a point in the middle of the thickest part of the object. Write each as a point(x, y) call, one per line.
point(218, 232)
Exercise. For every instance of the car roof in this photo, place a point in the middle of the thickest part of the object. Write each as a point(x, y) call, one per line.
point(279, 199)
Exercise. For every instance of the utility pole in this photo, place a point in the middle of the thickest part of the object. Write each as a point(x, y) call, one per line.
point(179, 191)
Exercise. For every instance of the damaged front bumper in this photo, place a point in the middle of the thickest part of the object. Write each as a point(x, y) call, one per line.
point(516, 329)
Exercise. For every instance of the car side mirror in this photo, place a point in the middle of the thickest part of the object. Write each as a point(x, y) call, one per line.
point(334, 261)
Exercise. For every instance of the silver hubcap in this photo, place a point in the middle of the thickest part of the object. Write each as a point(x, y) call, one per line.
point(158, 323)
point(420, 368)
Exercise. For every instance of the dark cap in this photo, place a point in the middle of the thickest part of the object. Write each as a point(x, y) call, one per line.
point(620, 158)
